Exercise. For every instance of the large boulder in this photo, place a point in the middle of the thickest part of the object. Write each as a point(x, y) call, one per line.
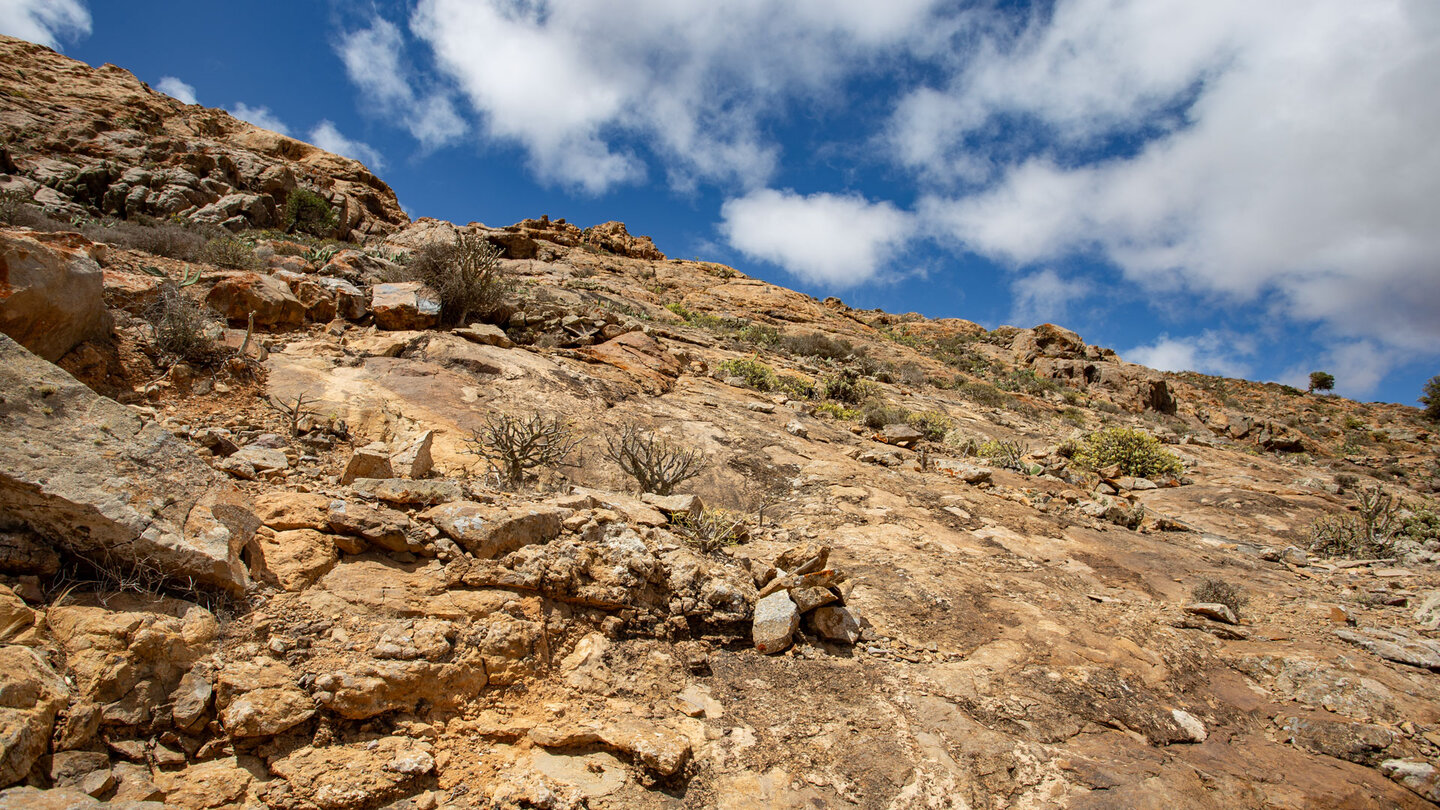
point(405, 305)
point(51, 298)
point(238, 296)
point(31, 694)
point(91, 476)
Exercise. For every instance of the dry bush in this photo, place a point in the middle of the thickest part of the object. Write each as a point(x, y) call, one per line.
point(1218, 591)
point(1368, 532)
point(713, 529)
point(656, 465)
point(466, 275)
point(183, 327)
point(512, 446)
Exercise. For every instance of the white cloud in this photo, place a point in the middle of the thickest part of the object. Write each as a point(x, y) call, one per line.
point(44, 21)
point(1044, 297)
point(260, 117)
point(1210, 352)
point(1306, 170)
point(326, 136)
point(176, 89)
point(578, 82)
point(372, 58)
point(839, 240)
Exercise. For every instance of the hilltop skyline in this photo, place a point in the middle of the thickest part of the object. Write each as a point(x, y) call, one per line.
point(1222, 189)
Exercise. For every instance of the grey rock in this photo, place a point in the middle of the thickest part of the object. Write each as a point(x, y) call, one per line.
point(1213, 610)
point(415, 460)
point(901, 435)
point(776, 620)
point(1397, 647)
point(410, 493)
point(89, 474)
point(676, 506)
point(1421, 778)
point(491, 532)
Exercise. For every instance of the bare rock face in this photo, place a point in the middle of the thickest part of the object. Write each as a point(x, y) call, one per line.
point(613, 236)
point(50, 297)
point(490, 532)
point(133, 151)
point(90, 475)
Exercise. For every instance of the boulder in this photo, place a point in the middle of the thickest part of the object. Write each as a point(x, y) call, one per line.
point(284, 511)
point(94, 478)
point(370, 461)
point(375, 525)
point(1361, 743)
point(294, 559)
point(676, 506)
point(836, 624)
point(275, 307)
point(807, 599)
point(486, 335)
point(350, 302)
point(775, 623)
point(410, 493)
point(31, 694)
point(491, 532)
point(50, 296)
point(1418, 776)
point(1213, 610)
point(415, 460)
point(405, 305)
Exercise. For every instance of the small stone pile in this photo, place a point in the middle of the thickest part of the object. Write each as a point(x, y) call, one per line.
point(799, 585)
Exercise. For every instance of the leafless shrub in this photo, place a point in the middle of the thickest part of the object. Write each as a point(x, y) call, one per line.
point(1218, 591)
point(1368, 531)
point(512, 446)
point(714, 529)
point(183, 327)
point(294, 409)
point(466, 274)
point(656, 465)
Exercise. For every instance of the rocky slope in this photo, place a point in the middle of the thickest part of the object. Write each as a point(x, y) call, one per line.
point(208, 601)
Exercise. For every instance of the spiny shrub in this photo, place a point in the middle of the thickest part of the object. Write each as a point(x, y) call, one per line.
point(713, 529)
point(182, 327)
point(1008, 455)
point(656, 465)
point(1368, 531)
point(933, 424)
point(466, 274)
point(1135, 452)
point(308, 212)
point(795, 387)
point(837, 411)
point(759, 334)
point(513, 445)
point(1218, 591)
point(756, 374)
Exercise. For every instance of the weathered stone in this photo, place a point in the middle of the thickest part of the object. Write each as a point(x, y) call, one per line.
point(91, 475)
point(405, 305)
point(218, 783)
point(294, 559)
point(377, 525)
point(283, 510)
point(350, 302)
point(775, 623)
point(191, 699)
point(411, 493)
point(50, 296)
point(1190, 724)
point(1357, 742)
point(1213, 610)
point(260, 698)
point(414, 461)
point(370, 461)
point(676, 506)
point(490, 532)
point(969, 473)
point(1421, 778)
point(810, 556)
point(836, 624)
point(274, 306)
point(1428, 614)
point(15, 616)
point(262, 459)
point(1393, 646)
point(485, 334)
point(25, 552)
point(807, 599)
point(31, 693)
point(361, 774)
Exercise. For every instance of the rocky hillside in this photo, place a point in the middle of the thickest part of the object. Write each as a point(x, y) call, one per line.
point(260, 545)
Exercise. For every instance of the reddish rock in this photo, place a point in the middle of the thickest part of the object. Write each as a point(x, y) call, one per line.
point(269, 298)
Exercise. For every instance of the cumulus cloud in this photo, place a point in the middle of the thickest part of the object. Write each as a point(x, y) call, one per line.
point(1210, 352)
point(1044, 297)
point(372, 58)
point(326, 136)
point(832, 239)
point(176, 89)
point(44, 21)
point(1286, 154)
point(579, 84)
point(260, 117)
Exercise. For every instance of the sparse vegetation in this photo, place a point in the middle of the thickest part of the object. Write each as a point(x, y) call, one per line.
point(1430, 398)
point(656, 465)
point(308, 212)
point(294, 409)
point(1367, 531)
point(845, 387)
point(1009, 455)
point(1134, 452)
point(933, 424)
point(1219, 592)
point(227, 251)
point(877, 415)
point(182, 327)
point(513, 445)
point(756, 374)
point(466, 275)
point(713, 529)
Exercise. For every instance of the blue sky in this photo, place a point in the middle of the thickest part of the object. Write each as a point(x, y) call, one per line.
point(1240, 188)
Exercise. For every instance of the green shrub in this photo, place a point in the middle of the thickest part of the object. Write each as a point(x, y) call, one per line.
point(1074, 416)
point(308, 212)
point(1218, 591)
point(877, 415)
point(168, 239)
point(795, 387)
point(985, 394)
point(837, 411)
point(1026, 381)
point(1430, 398)
point(1135, 452)
point(713, 529)
point(756, 374)
point(1368, 531)
point(1321, 381)
point(846, 387)
point(759, 334)
point(465, 274)
point(227, 251)
point(680, 310)
point(961, 442)
point(933, 424)
point(1005, 454)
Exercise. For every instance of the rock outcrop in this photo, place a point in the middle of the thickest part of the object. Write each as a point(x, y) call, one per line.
point(50, 297)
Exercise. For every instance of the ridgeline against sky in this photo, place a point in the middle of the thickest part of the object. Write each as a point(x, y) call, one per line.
point(1233, 188)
